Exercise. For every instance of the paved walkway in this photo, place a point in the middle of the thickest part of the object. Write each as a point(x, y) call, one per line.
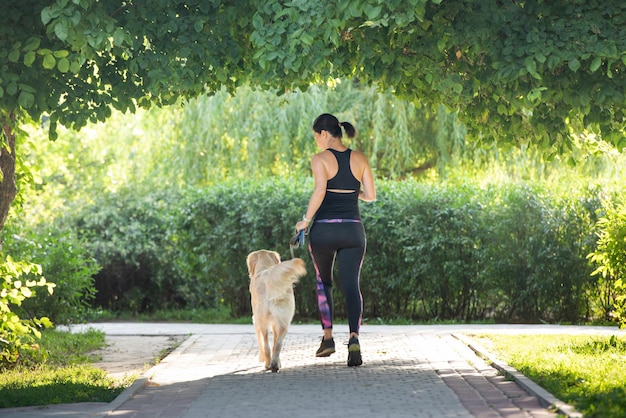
point(408, 371)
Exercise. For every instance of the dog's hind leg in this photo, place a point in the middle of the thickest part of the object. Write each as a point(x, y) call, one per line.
point(267, 354)
point(264, 346)
point(279, 331)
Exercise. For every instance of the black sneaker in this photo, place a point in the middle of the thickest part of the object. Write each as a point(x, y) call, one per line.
point(354, 352)
point(327, 347)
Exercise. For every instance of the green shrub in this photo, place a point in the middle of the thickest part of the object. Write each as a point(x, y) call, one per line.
point(422, 252)
point(218, 228)
point(64, 261)
point(512, 252)
point(129, 236)
point(610, 260)
point(535, 251)
point(18, 278)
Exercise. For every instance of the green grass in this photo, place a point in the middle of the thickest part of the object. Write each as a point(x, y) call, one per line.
point(204, 316)
point(586, 371)
point(59, 371)
point(223, 316)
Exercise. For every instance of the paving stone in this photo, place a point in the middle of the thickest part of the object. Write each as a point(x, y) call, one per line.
point(408, 371)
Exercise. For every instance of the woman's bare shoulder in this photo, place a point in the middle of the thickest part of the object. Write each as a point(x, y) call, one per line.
point(323, 156)
point(321, 159)
point(359, 156)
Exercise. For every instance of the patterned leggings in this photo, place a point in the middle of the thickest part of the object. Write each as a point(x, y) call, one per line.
point(344, 240)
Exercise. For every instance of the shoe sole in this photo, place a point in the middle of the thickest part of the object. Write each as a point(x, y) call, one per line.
point(325, 353)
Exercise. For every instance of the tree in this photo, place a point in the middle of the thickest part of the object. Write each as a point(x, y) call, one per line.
point(516, 70)
point(510, 66)
point(76, 60)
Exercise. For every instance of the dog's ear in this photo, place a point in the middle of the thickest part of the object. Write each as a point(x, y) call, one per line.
point(265, 257)
point(275, 256)
point(251, 261)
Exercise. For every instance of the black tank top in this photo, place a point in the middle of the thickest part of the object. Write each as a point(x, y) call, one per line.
point(343, 205)
point(344, 179)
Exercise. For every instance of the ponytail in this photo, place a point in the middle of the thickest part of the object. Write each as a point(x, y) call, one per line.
point(350, 131)
point(328, 122)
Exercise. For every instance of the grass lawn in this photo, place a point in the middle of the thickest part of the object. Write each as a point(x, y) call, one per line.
point(59, 372)
point(588, 372)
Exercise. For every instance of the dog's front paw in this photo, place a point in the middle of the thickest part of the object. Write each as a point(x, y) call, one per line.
point(275, 365)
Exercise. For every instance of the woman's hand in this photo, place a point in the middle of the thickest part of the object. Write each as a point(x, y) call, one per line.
point(302, 225)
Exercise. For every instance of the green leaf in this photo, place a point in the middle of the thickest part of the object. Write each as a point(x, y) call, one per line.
point(355, 10)
point(61, 30)
point(221, 75)
point(574, 64)
point(372, 12)
point(49, 62)
point(306, 39)
point(32, 44)
point(441, 44)
point(63, 65)
point(12, 88)
point(595, 64)
point(536, 94)
point(27, 88)
point(531, 67)
point(75, 67)
point(25, 99)
point(14, 55)
point(257, 22)
point(118, 36)
point(46, 15)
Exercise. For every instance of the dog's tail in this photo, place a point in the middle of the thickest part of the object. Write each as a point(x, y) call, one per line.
point(280, 278)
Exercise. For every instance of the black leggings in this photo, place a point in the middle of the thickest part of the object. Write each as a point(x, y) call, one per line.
point(345, 240)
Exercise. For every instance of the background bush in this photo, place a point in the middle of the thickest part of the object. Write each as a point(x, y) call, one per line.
point(512, 252)
point(130, 236)
point(18, 335)
point(154, 196)
point(610, 259)
point(64, 260)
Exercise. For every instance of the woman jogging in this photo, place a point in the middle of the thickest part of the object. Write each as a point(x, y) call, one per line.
point(342, 177)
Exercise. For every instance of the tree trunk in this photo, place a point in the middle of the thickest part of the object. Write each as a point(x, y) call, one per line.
point(8, 190)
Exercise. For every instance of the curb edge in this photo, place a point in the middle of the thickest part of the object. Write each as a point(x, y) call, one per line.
point(143, 380)
point(545, 397)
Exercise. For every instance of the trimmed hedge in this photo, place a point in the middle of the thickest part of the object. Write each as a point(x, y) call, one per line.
point(514, 252)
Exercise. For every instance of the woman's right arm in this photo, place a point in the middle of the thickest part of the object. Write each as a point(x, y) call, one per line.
point(319, 191)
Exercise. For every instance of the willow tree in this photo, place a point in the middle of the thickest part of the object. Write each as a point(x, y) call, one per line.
point(510, 67)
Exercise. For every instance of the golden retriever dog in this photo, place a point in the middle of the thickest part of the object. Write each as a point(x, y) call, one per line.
point(273, 303)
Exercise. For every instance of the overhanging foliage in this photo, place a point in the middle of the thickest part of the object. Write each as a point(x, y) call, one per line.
point(539, 67)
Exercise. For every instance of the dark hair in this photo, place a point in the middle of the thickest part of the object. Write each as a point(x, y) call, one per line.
point(328, 122)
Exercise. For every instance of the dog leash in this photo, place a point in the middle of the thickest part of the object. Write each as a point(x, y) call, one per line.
point(297, 240)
